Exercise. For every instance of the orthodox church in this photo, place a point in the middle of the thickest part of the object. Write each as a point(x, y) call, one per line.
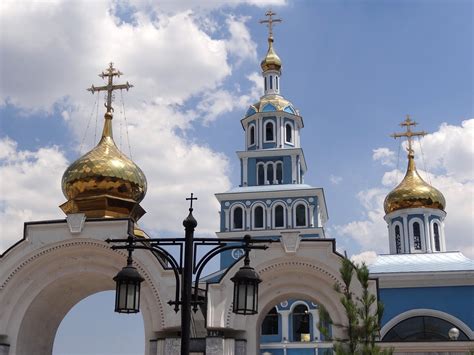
point(427, 291)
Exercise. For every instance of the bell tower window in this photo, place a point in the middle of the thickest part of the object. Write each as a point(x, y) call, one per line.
point(270, 174)
point(271, 82)
point(270, 323)
point(398, 240)
point(301, 320)
point(416, 236)
point(288, 133)
point(261, 174)
point(258, 217)
point(279, 217)
point(269, 132)
point(265, 83)
point(276, 82)
point(436, 236)
point(238, 218)
point(252, 135)
point(300, 215)
point(279, 173)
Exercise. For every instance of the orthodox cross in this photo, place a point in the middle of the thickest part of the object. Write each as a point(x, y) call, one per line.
point(270, 22)
point(110, 72)
point(191, 199)
point(408, 123)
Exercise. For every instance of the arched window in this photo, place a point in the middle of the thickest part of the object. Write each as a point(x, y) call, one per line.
point(300, 322)
point(260, 174)
point(279, 173)
point(265, 83)
point(252, 135)
point(276, 81)
point(269, 135)
point(300, 215)
point(270, 323)
point(436, 236)
point(271, 82)
point(398, 240)
point(289, 133)
point(416, 236)
point(238, 218)
point(422, 328)
point(270, 174)
point(279, 216)
point(258, 217)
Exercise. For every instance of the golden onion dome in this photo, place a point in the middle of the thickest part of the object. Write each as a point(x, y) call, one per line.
point(413, 192)
point(278, 102)
point(272, 60)
point(104, 182)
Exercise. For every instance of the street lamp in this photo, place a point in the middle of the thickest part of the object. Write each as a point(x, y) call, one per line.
point(246, 280)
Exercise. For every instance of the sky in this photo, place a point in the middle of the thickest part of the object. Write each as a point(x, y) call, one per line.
point(353, 68)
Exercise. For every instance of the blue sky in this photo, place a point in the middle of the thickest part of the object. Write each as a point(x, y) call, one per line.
point(352, 68)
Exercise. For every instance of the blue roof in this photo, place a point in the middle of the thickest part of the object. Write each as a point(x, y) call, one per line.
point(429, 262)
point(266, 188)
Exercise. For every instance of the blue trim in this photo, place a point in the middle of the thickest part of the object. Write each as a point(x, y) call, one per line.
point(268, 108)
point(250, 112)
point(289, 109)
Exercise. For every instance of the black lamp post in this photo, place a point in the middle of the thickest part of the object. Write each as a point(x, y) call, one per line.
point(246, 280)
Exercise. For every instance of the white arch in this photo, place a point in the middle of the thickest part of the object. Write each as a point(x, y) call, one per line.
point(249, 134)
point(265, 123)
point(232, 210)
point(292, 141)
point(392, 242)
point(253, 207)
point(293, 209)
point(285, 217)
point(412, 221)
point(262, 164)
point(440, 235)
point(426, 312)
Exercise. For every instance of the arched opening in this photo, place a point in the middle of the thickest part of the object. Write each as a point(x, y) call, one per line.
point(300, 321)
point(436, 237)
point(416, 236)
point(300, 215)
point(288, 133)
point(279, 216)
point(279, 173)
point(260, 174)
point(258, 217)
point(269, 132)
point(270, 326)
point(398, 240)
point(422, 328)
point(92, 327)
point(271, 82)
point(237, 218)
point(276, 82)
point(252, 135)
point(270, 174)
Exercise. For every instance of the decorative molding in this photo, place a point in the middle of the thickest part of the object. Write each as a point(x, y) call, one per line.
point(75, 222)
point(290, 241)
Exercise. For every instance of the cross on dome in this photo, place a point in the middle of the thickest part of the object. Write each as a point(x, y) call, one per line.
point(270, 21)
point(408, 123)
point(109, 73)
point(191, 199)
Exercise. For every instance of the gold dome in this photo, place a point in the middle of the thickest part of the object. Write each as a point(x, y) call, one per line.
point(278, 101)
point(104, 182)
point(413, 192)
point(272, 60)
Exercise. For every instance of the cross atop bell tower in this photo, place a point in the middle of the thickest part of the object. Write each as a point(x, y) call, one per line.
point(408, 123)
point(109, 73)
point(270, 21)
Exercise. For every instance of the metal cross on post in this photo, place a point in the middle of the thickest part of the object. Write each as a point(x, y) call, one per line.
point(191, 199)
point(270, 22)
point(408, 123)
point(110, 72)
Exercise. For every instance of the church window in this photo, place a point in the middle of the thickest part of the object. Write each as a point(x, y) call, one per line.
point(279, 173)
point(270, 174)
point(270, 323)
point(422, 328)
point(258, 217)
point(416, 236)
point(300, 215)
point(279, 216)
point(398, 240)
point(265, 83)
point(269, 135)
point(289, 133)
point(261, 174)
point(436, 237)
point(276, 82)
point(252, 135)
point(300, 322)
point(271, 82)
point(238, 218)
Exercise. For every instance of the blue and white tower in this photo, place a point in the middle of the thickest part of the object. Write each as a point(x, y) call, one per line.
point(272, 199)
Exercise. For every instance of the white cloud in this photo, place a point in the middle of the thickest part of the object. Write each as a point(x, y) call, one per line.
point(30, 187)
point(367, 257)
point(384, 155)
point(240, 43)
point(335, 180)
point(450, 152)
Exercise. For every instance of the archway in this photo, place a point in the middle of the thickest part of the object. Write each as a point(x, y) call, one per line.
point(91, 327)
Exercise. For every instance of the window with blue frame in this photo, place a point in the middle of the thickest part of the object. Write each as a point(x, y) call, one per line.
point(269, 134)
point(398, 240)
point(416, 236)
point(271, 82)
point(289, 133)
point(258, 217)
point(279, 216)
point(300, 215)
point(260, 175)
point(279, 173)
point(422, 328)
point(300, 319)
point(252, 135)
point(270, 173)
point(238, 218)
point(265, 83)
point(276, 82)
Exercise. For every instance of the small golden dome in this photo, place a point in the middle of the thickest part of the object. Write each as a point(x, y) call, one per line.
point(413, 192)
point(272, 60)
point(104, 182)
